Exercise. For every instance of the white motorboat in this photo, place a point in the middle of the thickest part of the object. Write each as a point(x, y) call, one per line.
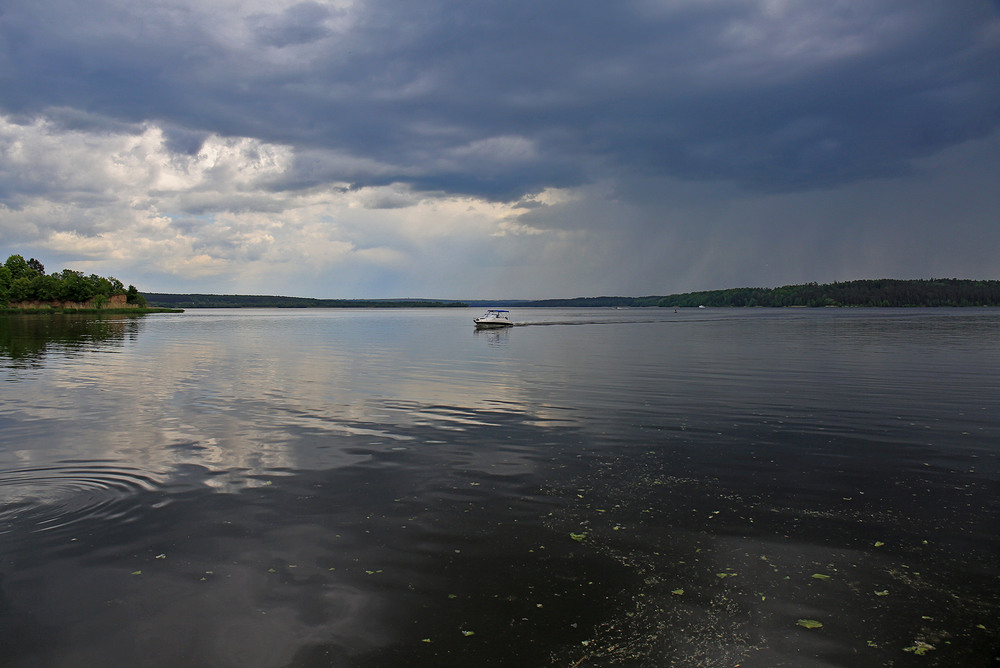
point(493, 319)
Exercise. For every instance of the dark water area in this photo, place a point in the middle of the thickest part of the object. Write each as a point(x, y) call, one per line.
point(638, 487)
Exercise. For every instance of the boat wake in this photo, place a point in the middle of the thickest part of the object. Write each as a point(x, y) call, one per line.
point(588, 322)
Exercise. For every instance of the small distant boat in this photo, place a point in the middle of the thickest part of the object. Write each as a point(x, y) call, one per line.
point(493, 319)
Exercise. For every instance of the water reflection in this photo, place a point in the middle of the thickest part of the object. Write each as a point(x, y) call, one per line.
point(370, 488)
point(25, 340)
point(494, 337)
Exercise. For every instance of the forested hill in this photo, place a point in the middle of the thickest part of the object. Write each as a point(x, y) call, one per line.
point(877, 292)
point(266, 301)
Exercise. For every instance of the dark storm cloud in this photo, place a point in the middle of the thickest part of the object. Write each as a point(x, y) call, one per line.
point(501, 98)
point(299, 24)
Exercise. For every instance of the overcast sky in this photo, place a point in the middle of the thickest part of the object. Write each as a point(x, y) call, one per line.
point(500, 148)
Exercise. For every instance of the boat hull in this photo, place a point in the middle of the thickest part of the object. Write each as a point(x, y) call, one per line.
point(492, 324)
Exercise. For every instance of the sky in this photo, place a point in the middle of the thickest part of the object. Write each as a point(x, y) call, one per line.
point(500, 148)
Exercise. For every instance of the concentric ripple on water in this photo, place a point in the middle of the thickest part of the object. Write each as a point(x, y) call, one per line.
point(58, 497)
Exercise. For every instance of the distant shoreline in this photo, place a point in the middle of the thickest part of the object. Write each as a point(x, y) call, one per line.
point(947, 292)
point(198, 300)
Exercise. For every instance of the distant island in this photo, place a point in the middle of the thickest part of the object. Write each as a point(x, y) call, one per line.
point(26, 288)
point(872, 293)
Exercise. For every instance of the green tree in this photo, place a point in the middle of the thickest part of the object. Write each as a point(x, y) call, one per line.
point(5, 281)
point(18, 266)
point(132, 296)
point(45, 288)
point(75, 287)
point(6, 277)
point(20, 289)
point(36, 266)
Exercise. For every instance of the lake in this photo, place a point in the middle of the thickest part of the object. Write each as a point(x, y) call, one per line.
point(632, 487)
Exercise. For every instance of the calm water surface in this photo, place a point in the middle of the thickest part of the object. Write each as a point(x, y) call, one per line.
point(590, 488)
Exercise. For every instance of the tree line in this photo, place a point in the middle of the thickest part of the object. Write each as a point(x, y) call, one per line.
point(873, 292)
point(25, 280)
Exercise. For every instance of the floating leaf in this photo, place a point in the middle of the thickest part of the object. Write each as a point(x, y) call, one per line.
point(879, 543)
point(884, 592)
point(426, 640)
point(468, 633)
point(578, 537)
point(136, 572)
point(919, 648)
point(809, 623)
point(820, 576)
point(678, 592)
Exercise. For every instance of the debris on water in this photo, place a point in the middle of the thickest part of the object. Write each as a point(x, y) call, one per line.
point(809, 624)
point(578, 537)
point(678, 592)
point(919, 647)
point(820, 576)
